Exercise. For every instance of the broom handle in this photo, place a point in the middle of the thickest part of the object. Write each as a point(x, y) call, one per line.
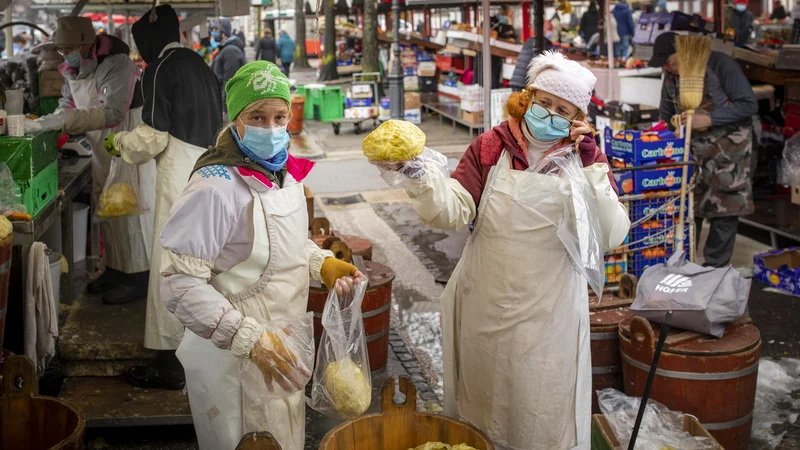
point(680, 230)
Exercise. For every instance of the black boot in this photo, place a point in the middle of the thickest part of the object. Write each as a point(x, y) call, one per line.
point(130, 287)
point(167, 373)
point(109, 279)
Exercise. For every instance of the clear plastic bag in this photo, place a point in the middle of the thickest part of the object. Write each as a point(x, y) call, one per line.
point(661, 428)
point(10, 193)
point(282, 360)
point(791, 161)
point(396, 173)
point(578, 226)
point(122, 194)
point(342, 387)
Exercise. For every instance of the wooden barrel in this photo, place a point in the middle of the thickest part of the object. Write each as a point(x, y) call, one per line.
point(709, 378)
point(32, 422)
point(604, 319)
point(376, 309)
point(400, 427)
point(324, 237)
point(6, 243)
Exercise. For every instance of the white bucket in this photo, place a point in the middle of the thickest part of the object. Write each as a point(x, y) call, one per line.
point(15, 101)
point(3, 118)
point(52, 236)
point(16, 125)
point(80, 224)
point(55, 276)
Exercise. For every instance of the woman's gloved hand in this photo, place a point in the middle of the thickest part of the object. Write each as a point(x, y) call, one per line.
point(277, 363)
point(413, 168)
point(49, 122)
point(108, 144)
point(340, 275)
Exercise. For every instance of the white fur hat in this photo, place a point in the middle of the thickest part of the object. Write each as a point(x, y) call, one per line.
point(552, 72)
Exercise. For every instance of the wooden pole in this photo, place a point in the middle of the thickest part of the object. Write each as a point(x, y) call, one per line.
point(487, 68)
point(538, 24)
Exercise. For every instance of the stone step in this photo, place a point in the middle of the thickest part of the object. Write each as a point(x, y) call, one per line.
point(112, 402)
point(103, 340)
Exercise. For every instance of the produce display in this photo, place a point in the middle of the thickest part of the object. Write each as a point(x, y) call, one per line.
point(347, 387)
point(118, 200)
point(442, 446)
point(394, 140)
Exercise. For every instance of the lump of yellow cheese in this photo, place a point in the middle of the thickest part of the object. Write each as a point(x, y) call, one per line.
point(5, 227)
point(347, 387)
point(118, 200)
point(394, 140)
point(442, 446)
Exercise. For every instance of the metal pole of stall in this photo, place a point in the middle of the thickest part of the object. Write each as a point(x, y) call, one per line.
point(396, 74)
point(487, 68)
point(9, 34)
point(538, 24)
point(610, 49)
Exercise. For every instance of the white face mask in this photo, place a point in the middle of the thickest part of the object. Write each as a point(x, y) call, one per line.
point(741, 7)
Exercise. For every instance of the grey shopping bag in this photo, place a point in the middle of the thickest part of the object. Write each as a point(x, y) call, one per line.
point(703, 299)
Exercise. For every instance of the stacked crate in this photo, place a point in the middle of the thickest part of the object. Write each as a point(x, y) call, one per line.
point(33, 161)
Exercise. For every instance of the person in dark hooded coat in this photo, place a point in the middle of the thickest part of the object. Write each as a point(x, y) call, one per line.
point(181, 116)
point(230, 58)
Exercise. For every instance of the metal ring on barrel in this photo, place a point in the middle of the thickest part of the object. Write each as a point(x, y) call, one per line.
point(376, 308)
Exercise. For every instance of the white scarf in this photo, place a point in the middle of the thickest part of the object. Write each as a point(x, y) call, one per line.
point(536, 148)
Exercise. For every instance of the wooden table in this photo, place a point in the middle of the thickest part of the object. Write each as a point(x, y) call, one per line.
point(767, 75)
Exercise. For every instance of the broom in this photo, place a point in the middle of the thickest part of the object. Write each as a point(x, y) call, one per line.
point(693, 53)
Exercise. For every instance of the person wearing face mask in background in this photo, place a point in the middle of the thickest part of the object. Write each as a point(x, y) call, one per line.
point(514, 313)
point(230, 57)
point(742, 21)
point(182, 111)
point(237, 255)
point(101, 96)
point(722, 144)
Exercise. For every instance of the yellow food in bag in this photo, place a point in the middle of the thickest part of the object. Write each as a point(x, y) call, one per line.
point(394, 140)
point(118, 200)
point(347, 387)
point(5, 227)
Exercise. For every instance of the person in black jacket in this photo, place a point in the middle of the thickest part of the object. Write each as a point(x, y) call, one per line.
point(266, 49)
point(182, 114)
point(230, 58)
point(778, 12)
point(529, 51)
point(589, 22)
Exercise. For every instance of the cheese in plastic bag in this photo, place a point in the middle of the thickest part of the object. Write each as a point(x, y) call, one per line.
point(394, 140)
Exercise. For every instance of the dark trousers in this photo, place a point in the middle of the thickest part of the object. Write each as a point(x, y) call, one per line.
point(720, 241)
point(286, 68)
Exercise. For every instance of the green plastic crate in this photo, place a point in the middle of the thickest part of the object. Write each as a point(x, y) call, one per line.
point(48, 105)
point(311, 108)
point(40, 190)
point(331, 105)
point(28, 155)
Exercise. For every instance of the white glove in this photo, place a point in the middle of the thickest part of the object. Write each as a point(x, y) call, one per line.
point(49, 122)
point(395, 172)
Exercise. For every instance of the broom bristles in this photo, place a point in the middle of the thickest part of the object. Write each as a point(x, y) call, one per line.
point(693, 53)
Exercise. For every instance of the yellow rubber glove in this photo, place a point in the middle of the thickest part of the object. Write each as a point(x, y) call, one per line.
point(333, 269)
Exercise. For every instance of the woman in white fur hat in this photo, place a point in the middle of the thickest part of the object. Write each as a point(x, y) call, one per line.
point(515, 313)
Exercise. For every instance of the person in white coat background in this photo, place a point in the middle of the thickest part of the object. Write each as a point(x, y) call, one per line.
point(181, 116)
point(98, 99)
point(237, 256)
point(515, 313)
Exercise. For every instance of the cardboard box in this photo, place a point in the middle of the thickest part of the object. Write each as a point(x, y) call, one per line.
point(472, 105)
point(472, 116)
point(659, 208)
point(644, 29)
point(411, 83)
point(615, 266)
point(603, 437)
point(359, 112)
point(644, 180)
point(779, 269)
point(50, 83)
point(426, 69)
point(411, 100)
point(413, 115)
point(640, 146)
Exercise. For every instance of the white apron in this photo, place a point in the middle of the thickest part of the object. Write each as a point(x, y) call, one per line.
point(272, 283)
point(163, 331)
point(127, 240)
point(515, 322)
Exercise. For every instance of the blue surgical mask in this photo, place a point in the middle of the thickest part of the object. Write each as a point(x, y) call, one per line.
point(741, 7)
point(217, 36)
point(267, 146)
point(74, 59)
point(543, 129)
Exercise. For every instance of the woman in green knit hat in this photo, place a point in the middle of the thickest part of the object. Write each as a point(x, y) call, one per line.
point(236, 267)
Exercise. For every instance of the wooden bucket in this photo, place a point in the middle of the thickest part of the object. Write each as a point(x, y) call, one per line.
point(32, 422)
point(604, 319)
point(376, 308)
point(324, 237)
point(709, 378)
point(400, 427)
point(5, 273)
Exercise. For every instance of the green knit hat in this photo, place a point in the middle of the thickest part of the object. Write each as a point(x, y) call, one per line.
point(255, 81)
